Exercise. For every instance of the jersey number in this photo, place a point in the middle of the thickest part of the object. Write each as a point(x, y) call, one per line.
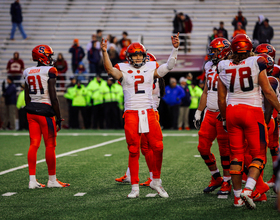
point(138, 80)
point(32, 82)
point(213, 85)
point(244, 73)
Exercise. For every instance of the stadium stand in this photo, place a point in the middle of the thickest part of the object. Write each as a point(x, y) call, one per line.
point(58, 22)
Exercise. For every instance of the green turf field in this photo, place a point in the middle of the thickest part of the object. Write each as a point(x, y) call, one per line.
point(184, 177)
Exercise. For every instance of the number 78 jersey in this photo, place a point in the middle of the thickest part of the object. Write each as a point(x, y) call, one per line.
point(241, 80)
point(37, 80)
point(137, 85)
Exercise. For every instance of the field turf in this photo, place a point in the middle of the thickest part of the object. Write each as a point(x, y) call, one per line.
point(184, 177)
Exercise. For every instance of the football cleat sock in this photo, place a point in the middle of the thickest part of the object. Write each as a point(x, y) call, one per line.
point(250, 184)
point(237, 192)
point(32, 178)
point(52, 178)
point(226, 178)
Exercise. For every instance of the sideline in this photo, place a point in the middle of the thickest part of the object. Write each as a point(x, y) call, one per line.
point(66, 154)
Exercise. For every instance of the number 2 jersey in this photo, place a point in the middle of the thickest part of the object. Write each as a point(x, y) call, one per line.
point(212, 85)
point(241, 80)
point(37, 80)
point(137, 85)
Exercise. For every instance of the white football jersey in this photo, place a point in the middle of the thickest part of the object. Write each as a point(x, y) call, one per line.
point(37, 80)
point(137, 85)
point(241, 81)
point(156, 95)
point(211, 76)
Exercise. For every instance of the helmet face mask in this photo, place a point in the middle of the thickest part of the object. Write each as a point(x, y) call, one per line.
point(133, 50)
point(43, 54)
point(219, 49)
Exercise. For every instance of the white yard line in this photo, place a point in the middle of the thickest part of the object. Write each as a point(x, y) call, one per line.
point(66, 154)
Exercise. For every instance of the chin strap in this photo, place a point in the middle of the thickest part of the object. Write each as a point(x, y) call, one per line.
point(167, 67)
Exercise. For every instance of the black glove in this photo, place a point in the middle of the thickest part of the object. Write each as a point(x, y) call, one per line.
point(224, 124)
point(58, 124)
point(219, 117)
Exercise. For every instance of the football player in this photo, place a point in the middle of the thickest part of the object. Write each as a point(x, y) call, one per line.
point(274, 139)
point(239, 99)
point(137, 79)
point(41, 106)
point(158, 92)
point(211, 127)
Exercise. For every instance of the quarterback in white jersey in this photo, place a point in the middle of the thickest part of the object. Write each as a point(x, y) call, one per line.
point(211, 127)
point(41, 107)
point(239, 98)
point(137, 79)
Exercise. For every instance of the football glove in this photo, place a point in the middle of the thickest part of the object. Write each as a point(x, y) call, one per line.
point(58, 124)
point(224, 124)
point(219, 117)
point(197, 118)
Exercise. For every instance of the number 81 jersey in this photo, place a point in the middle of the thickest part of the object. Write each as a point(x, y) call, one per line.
point(37, 80)
point(242, 81)
point(137, 85)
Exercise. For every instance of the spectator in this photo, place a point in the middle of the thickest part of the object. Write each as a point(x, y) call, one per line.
point(16, 14)
point(22, 116)
point(114, 41)
point(179, 23)
point(220, 33)
point(196, 93)
point(81, 72)
point(239, 18)
point(239, 30)
point(99, 35)
point(188, 24)
point(10, 95)
point(113, 54)
point(61, 66)
point(124, 43)
point(78, 95)
point(111, 110)
point(201, 84)
point(93, 39)
point(279, 62)
point(77, 54)
point(214, 35)
point(257, 26)
point(265, 33)
point(183, 118)
point(221, 28)
point(69, 102)
point(189, 78)
point(15, 67)
point(94, 58)
point(173, 97)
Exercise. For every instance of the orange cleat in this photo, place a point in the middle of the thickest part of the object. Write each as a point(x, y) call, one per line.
point(271, 182)
point(187, 128)
point(180, 128)
point(238, 202)
point(257, 197)
point(246, 196)
point(57, 184)
point(123, 179)
point(225, 189)
point(147, 183)
point(214, 184)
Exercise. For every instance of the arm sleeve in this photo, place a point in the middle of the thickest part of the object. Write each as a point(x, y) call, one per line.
point(53, 72)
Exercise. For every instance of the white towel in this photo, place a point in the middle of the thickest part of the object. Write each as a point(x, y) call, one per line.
point(143, 121)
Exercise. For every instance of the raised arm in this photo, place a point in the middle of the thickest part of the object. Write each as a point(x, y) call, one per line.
point(112, 71)
point(167, 67)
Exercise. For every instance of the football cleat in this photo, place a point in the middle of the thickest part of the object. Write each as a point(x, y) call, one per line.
point(214, 184)
point(225, 189)
point(156, 185)
point(246, 196)
point(147, 183)
point(123, 179)
point(238, 202)
point(35, 185)
point(133, 194)
point(271, 182)
point(257, 197)
point(57, 184)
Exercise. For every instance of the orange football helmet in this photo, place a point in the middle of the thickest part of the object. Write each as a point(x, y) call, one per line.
point(269, 62)
point(43, 54)
point(241, 43)
point(134, 49)
point(222, 45)
point(266, 48)
point(151, 57)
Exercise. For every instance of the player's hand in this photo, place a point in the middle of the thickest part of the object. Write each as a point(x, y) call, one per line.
point(219, 117)
point(58, 124)
point(103, 45)
point(175, 40)
point(224, 124)
point(197, 118)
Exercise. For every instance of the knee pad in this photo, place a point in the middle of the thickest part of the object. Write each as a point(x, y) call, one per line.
point(35, 143)
point(225, 160)
point(234, 167)
point(209, 159)
point(260, 167)
point(133, 149)
point(204, 146)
